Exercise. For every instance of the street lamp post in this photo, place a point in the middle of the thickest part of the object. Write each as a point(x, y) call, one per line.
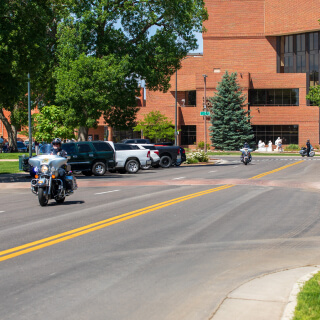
point(176, 113)
point(205, 109)
point(29, 117)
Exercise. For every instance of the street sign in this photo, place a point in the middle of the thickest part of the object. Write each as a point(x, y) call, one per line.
point(204, 113)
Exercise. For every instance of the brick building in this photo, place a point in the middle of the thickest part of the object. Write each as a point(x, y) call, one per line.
point(274, 47)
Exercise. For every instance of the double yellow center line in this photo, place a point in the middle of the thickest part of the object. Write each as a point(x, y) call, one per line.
point(46, 242)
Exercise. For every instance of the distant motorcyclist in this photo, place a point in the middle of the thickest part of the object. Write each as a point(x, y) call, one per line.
point(246, 146)
point(308, 144)
point(57, 150)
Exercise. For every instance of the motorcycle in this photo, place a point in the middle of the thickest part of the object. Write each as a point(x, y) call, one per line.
point(245, 155)
point(50, 171)
point(303, 152)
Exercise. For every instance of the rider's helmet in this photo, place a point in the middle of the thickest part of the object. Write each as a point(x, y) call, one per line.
point(56, 142)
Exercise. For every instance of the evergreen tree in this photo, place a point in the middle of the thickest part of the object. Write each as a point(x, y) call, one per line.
point(230, 121)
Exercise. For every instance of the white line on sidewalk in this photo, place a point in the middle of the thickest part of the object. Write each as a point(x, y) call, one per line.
point(107, 192)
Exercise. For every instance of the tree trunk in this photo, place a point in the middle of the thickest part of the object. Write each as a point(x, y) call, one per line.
point(11, 130)
point(83, 133)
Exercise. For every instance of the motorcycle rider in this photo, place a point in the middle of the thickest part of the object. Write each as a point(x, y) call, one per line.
point(57, 150)
point(246, 146)
point(308, 148)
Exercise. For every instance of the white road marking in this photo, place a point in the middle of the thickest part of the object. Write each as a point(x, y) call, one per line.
point(213, 171)
point(107, 192)
point(178, 178)
point(2, 211)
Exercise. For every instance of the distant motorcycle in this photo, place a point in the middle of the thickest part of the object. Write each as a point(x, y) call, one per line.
point(245, 155)
point(303, 152)
point(50, 171)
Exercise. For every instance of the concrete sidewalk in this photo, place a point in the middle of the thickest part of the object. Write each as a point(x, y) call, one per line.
point(269, 297)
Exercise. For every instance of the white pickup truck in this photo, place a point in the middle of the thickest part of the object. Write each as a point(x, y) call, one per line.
point(129, 159)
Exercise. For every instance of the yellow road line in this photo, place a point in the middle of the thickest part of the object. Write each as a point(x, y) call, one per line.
point(275, 170)
point(36, 245)
point(49, 241)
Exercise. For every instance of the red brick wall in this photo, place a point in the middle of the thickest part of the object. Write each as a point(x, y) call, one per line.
point(291, 16)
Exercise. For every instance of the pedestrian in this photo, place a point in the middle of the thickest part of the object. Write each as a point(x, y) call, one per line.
point(1, 143)
point(308, 148)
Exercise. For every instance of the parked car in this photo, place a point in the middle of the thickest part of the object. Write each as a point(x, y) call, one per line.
point(21, 147)
point(169, 155)
point(129, 158)
point(135, 141)
point(154, 155)
point(90, 157)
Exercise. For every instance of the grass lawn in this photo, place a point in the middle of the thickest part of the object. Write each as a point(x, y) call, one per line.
point(236, 153)
point(9, 167)
point(13, 155)
point(308, 304)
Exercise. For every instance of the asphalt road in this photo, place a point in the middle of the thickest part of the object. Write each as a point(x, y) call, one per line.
point(161, 244)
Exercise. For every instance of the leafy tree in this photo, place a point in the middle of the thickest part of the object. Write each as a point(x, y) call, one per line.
point(314, 95)
point(49, 123)
point(27, 37)
point(114, 36)
point(230, 122)
point(156, 126)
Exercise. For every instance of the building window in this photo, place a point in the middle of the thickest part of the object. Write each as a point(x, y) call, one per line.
point(188, 135)
point(274, 97)
point(300, 53)
point(314, 58)
point(190, 99)
point(288, 133)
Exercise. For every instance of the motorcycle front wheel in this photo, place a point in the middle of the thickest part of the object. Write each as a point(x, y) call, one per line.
point(42, 197)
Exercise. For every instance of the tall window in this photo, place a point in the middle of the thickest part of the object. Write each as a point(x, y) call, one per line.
point(314, 58)
point(274, 97)
point(301, 53)
point(188, 135)
point(288, 54)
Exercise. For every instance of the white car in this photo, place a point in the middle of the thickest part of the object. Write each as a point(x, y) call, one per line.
point(129, 159)
point(155, 159)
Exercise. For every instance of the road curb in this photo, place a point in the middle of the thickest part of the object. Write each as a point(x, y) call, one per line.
point(292, 302)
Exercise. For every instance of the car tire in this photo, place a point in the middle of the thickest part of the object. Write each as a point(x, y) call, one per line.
point(132, 166)
point(165, 162)
point(99, 169)
point(87, 173)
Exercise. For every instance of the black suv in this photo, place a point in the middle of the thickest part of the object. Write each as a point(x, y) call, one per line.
point(139, 141)
point(90, 157)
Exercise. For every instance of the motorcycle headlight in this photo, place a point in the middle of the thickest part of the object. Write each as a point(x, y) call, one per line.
point(44, 169)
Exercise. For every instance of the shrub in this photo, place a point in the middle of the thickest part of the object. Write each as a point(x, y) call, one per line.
point(197, 156)
point(201, 145)
point(293, 147)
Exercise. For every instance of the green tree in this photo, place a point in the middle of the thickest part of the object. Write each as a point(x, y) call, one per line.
point(49, 123)
point(115, 37)
point(230, 122)
point(156, 126)
point(314, 95)
point(27, 38)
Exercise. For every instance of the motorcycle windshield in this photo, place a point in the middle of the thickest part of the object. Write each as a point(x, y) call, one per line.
point(46, 149)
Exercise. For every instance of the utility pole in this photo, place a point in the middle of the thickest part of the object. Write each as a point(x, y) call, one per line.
point(29, 117)
point(176, 113)
point(205, 110)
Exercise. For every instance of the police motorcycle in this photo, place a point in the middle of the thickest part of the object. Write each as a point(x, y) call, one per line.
point(303, 152)
point(246, 155)
point(52, 177)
